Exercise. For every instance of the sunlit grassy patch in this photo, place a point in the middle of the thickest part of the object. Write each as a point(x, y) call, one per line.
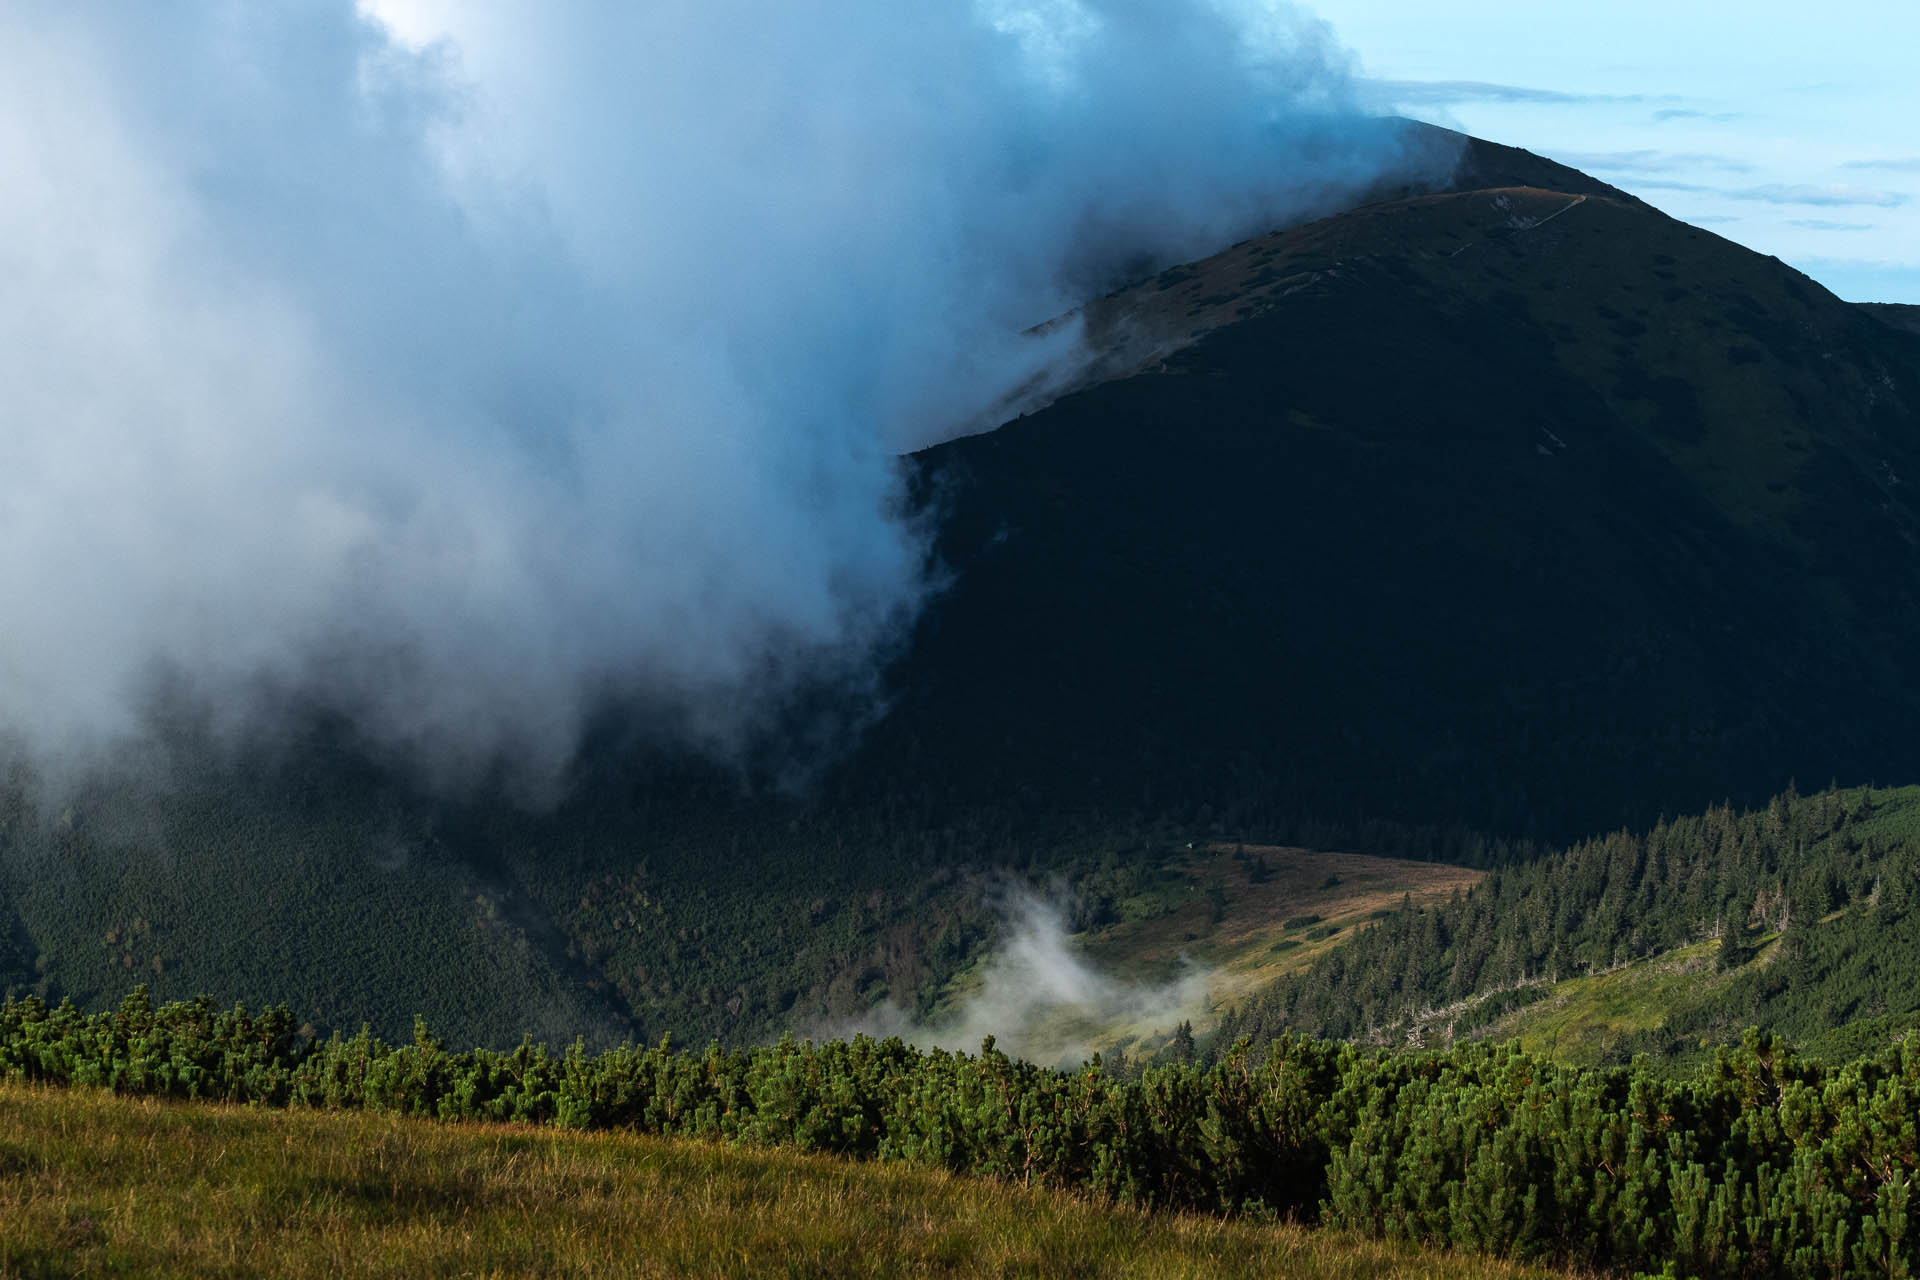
point(1581, 1017)
point(91, 1184)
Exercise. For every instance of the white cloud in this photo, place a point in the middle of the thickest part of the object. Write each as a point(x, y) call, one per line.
point(550, 351)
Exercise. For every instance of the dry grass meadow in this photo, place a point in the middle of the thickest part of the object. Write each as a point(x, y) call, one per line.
point(94, 1185)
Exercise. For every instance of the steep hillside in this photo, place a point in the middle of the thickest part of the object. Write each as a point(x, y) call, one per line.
point(1519, 510)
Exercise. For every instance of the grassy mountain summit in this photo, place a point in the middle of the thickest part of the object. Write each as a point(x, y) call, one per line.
point(1513, 511)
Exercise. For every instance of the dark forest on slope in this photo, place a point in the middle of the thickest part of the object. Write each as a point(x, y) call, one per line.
point(1811, 907)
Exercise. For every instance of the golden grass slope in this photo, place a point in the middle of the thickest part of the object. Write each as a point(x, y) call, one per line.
point(1256, 912)
point(91, 1184)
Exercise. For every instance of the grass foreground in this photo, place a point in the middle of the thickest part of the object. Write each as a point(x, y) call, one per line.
point(94, 1184)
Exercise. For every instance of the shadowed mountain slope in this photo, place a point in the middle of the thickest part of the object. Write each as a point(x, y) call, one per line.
point(1531, 511)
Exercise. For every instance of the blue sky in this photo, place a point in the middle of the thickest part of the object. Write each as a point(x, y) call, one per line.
point(1791, 128)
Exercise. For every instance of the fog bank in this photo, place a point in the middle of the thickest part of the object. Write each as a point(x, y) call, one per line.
point(457, 367)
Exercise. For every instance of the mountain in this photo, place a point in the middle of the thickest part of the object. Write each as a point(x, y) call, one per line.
point(1527, 511)
point(1471, 520)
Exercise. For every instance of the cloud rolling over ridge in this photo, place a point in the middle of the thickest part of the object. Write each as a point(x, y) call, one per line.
point(459, 373)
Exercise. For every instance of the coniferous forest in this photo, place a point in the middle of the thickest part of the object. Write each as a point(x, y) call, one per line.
point(1826, 886)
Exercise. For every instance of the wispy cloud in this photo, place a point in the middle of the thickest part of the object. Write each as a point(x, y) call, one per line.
point(1784, 193)
point(1667, 184)
point(1666, 114)
point(1893, 164)
point(1652, 161)
point(1443, 92)
point(1823, 196)
point(1822, 224)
